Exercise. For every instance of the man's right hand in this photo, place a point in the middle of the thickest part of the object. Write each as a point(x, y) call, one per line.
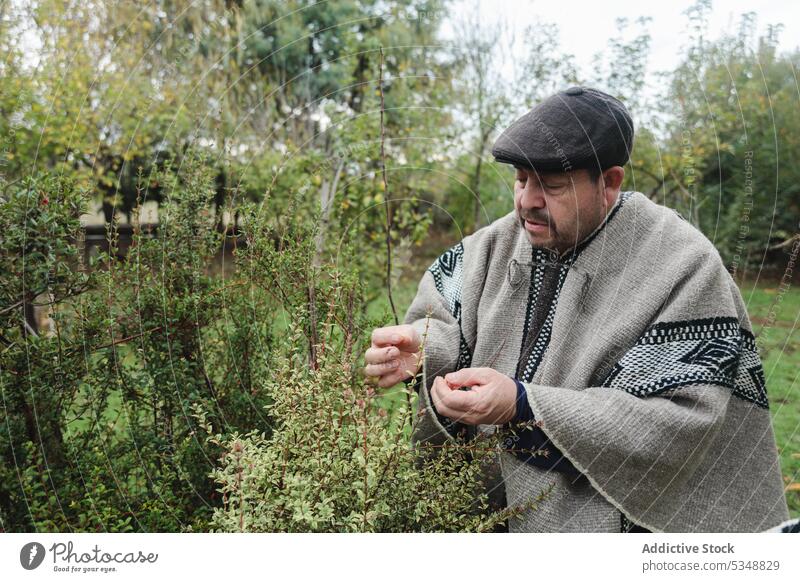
point(394, 355)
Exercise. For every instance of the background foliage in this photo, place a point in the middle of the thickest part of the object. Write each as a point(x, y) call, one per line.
point(155, 377)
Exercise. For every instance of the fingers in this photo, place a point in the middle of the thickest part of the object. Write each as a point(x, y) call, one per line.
point(462, 401)
point(381, 368)
point(381, 355)
point(392, 378)
point(381, 361)
point(388, 365)
point(402, 336)
point(387, 336)
point(470, 377)
point(388, 357)
point(438, 391)
point(460, 405)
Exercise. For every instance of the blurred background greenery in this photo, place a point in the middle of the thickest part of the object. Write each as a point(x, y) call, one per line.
point(154, 130)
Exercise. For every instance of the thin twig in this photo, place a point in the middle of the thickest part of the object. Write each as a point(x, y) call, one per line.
point(386, 196)
point(516, 510)
point(387, 201)
point(785, 243)
point(407, 417)
point(472, 448)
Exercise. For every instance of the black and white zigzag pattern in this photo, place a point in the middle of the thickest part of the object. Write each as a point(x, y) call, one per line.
point(448, 276)
point(750, 383)
point(701, 351)
point(540, 257)
point(789, 526)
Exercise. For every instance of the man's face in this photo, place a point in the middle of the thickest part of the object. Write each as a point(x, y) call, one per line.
point(558, 210)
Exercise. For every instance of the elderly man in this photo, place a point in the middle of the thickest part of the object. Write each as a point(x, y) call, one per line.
point(610, 321)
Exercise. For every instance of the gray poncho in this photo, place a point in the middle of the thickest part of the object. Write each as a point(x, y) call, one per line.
point(644, 373)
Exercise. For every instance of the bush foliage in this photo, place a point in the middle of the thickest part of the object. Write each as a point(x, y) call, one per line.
point(165, 397)
point(202, 372)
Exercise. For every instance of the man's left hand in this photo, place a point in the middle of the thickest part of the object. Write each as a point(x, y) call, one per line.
point(492, 398)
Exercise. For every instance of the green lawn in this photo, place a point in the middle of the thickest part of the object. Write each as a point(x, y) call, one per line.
point(778, 343)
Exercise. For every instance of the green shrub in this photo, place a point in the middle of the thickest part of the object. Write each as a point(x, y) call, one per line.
point(336, 461)
point(163, 396)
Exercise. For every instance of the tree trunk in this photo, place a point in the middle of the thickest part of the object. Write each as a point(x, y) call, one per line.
point(326, 195)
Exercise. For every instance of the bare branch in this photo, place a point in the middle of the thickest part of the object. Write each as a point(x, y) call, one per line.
point(386, 196)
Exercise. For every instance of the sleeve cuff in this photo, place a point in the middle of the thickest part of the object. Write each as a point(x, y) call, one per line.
point(524, 412)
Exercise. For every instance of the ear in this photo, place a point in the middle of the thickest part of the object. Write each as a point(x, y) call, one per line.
point(612, 182)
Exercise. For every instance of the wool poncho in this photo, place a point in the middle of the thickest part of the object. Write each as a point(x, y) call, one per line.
point(644, 374)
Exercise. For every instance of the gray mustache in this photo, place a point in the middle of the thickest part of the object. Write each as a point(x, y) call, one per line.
point(537, 218)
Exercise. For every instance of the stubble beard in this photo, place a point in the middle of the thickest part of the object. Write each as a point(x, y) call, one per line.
point(555, 242)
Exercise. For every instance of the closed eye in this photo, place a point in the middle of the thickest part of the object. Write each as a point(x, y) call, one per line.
point(554, 186)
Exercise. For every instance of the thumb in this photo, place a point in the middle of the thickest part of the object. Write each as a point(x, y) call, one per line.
point(405, 341)
point(467, 377)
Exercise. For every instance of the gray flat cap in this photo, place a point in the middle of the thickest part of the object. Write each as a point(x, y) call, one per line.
point(573, 129)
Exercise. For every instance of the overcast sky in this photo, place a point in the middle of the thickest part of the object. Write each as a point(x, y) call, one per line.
point(585, 26)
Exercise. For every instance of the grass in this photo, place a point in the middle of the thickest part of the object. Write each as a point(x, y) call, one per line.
point(774, 313)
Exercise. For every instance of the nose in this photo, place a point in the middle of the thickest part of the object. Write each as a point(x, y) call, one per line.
point(532, 195)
